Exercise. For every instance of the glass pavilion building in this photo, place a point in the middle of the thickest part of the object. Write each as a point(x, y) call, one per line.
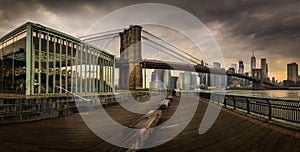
point(37, 60)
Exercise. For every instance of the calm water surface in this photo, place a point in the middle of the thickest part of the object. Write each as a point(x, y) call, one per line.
point(286, 94)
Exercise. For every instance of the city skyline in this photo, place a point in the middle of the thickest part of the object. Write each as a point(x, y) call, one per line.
point(272, 28)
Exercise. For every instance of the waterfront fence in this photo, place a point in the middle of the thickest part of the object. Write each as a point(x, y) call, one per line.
point(283, 109)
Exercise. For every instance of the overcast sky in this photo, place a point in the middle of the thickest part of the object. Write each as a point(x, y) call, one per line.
point(271, 27)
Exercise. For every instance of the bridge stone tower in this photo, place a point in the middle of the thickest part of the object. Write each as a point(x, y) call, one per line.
point(130, 75)
point(257, 74)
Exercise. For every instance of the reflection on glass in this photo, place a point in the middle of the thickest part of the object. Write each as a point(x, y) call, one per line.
point(13, 64)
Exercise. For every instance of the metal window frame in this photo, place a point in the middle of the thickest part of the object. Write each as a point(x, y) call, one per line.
point(29, 28)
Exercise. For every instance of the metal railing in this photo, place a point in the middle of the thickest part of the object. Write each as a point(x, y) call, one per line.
point(283, 109)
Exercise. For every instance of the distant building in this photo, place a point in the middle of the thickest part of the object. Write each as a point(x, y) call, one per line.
point(173, 82)
point(273, 80)
point(264, 67)
point(234, 65)
point(292, 72)
point(216, 79)
point(184, 80)
point(194, 80)
point(253, 62)
point(288, 83)
point(166, 78)
point(241, 67)
point(216, 65)
point(231, 69)
point(223, 79)
point(157, 78)
point(187, 80)
point(180, 81)
point(230, 79)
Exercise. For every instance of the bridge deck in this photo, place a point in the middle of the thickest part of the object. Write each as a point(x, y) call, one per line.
point(231, 132)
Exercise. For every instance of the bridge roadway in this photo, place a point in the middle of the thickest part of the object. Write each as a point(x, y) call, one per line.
point(157, 64)
point(230, 132)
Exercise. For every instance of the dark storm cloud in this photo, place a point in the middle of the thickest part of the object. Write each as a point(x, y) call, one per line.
point(272, 27)
point(71, 16)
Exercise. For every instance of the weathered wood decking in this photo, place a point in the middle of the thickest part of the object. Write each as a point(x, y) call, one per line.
point(231, 132)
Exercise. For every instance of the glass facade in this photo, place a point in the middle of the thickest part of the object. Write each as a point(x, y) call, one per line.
point(13, 63)
point(37, 60)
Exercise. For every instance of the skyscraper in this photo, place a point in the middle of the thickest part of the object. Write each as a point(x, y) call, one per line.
point(173, 82)
point(253, 62)
point(292, 71)
point(180, 81)
point(235, 67)
point(157, 79)
point(241, 67)
point(215, 79)
point(264, 67)
point(166, 78)
point(187, 79)
point(194, 80)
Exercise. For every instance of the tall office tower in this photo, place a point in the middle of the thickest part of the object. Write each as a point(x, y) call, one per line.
point(157, 74)
point(173, 82)
point(234, 65)
point(157, 78)
point(292, 71)
point(216, 79)
point(264, 67)
point(273, 80)
point(180, 81)
point(187, 80)
point(194, 79)
point(166, 78)
point(229, 79)
point(223, 79)
point(253, 62)
point(241, 67)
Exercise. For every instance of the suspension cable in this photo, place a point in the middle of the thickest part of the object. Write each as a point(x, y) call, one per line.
point(85, 36)
point(164, 51)
point(99, 37)
point(170, 44)
point(169, 49)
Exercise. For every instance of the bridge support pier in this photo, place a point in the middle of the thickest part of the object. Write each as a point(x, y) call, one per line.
point(257, 73)
point(130, 75)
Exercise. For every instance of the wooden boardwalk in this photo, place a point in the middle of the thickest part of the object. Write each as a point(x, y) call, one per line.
point(231, 132)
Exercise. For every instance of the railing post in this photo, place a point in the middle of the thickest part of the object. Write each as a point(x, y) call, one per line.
point(234, 103)
point(225, 101)
point(248, 105)
point(270, 109)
